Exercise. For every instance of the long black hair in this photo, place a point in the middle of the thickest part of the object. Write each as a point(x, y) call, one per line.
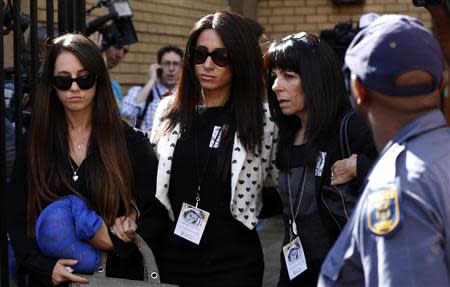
point(323, 86)
point(245, 104)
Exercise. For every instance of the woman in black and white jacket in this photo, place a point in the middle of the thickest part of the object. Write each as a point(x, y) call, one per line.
point(216, 145)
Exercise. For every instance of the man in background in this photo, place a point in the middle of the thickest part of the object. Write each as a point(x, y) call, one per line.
point(114, 54)
point(140, 104)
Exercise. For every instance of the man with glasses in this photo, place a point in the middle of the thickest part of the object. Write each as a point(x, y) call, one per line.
point(140, 104)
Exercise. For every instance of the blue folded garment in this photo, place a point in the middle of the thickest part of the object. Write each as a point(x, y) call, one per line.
point(63, 229)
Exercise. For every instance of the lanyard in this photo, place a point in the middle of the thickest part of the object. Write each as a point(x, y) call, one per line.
point(201, 177)
point(158, 91)
point(293, 227)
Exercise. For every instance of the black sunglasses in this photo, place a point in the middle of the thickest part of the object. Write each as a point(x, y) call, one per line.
point(64, 83)
point(219, 56)
point(296, 36)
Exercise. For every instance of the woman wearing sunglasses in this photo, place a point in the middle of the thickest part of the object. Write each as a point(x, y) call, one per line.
point(215, 141)
point(78, 146)
point(308, 100)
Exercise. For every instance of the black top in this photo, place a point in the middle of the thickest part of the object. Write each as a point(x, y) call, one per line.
point(313, 234)
point(31, 260)
point(228, 251)
point(318, 230)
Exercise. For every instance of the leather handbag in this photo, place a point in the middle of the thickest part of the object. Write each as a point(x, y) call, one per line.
point(339, 200)
point(151, 275)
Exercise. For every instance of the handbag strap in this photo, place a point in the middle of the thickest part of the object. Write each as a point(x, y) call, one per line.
point(343, 135)
point(151, 273)
point(141, 115)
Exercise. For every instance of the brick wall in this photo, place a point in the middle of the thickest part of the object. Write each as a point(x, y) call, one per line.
point(162, 22)
point(282, 17)
point(157, 23)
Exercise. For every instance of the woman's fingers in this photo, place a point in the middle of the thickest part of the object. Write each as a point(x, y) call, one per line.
point(130, 227)
point(62, 272)
point(343, 170)
point(76, 278)
point(124, 228)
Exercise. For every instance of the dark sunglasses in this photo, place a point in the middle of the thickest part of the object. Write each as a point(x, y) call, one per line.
point(296, 36)
point(64, 83)
point(219, 56)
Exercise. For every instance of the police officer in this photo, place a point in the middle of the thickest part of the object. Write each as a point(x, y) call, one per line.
point(399, 234)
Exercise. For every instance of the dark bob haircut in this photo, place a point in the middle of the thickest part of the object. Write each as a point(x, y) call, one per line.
point(322, 83)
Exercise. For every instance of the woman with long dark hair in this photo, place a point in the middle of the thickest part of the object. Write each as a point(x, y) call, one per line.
point(77, 145)
point(215, 142)
point(308, 100)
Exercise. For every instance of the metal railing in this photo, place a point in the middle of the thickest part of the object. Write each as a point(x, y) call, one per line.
point(71, 17)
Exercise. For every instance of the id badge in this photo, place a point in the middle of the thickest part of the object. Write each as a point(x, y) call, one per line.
point(320, 163)
point(295, 258)
point(215, 137)
point(191, 223)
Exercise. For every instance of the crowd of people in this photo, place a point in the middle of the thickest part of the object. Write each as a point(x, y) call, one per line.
point(184, 160)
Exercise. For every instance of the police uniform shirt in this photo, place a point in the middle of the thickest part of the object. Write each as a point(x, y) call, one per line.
point(406, 242)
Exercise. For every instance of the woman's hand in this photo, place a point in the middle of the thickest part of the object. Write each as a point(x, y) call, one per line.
point(60, 274)
point(125, 227)
point(343, 170)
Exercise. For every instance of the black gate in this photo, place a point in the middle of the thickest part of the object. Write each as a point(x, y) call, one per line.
point(71, 17)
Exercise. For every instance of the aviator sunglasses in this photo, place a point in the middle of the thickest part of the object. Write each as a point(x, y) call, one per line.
point(219, 56)
point(64, 83)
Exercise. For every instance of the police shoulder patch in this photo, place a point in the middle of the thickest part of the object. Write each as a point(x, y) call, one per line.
point(383, 210)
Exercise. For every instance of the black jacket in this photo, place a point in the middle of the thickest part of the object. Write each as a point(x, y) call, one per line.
point(122, 261)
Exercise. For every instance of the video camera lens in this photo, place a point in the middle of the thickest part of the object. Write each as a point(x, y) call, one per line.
point(121, 30)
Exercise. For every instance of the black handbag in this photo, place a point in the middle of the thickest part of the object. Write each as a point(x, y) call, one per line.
point(151, 275)
point(339, 200)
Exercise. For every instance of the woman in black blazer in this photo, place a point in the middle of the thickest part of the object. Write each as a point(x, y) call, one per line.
point(308, 100)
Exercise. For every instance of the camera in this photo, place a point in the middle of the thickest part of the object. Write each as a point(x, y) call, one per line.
point(120, 31)
point(425, 2)
point(340, 37)
point(420, 3)
point(8, 18)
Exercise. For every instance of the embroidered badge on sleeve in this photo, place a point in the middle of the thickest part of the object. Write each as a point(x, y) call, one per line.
point(383, 210)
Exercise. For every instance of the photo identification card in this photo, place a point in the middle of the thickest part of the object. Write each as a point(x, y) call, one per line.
point(320, 163)
point(191, 223)
point(215, 137)
point(295, 258)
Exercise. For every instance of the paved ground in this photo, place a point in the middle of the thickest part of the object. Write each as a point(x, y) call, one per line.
point(271, 237)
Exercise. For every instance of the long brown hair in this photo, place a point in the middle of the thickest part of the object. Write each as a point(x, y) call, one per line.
point(109, 174)
point(247, 89)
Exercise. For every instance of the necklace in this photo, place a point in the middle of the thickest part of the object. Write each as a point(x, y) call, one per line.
point(294, 214)
point(74, 176)
point(81, 144)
